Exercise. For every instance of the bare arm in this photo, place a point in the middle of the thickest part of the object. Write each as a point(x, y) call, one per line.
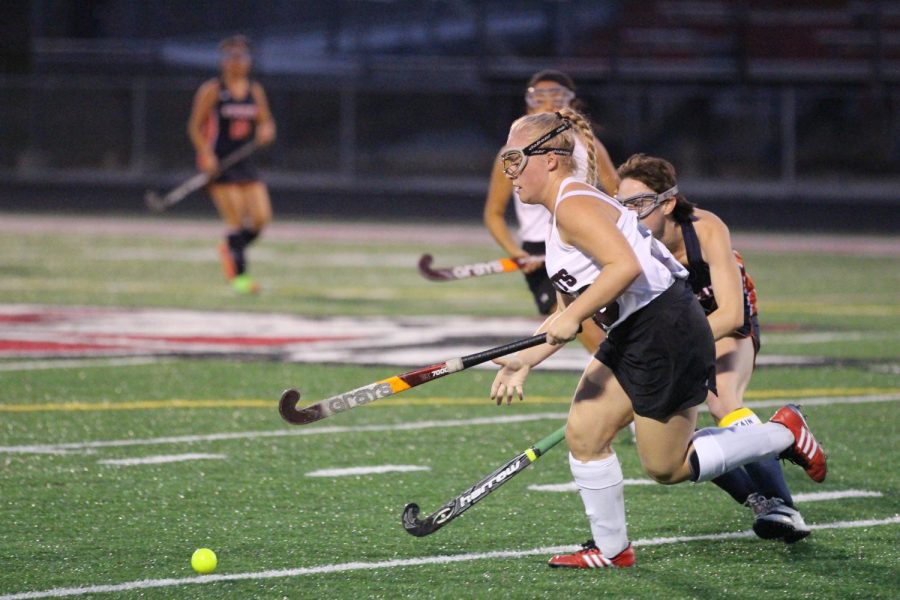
point(204, 102)
point(609, 178)
point(725, 274)
point(591, 227)
point(498, 196)
point(265, 122)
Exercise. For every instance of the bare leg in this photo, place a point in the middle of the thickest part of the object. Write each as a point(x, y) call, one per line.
point(663, 445)
point(591, 336)
point(229, 201)
point(599, 410)
point(734, 367)
point(258, 206)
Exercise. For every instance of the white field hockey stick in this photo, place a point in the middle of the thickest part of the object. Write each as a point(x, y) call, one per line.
point(158, 203)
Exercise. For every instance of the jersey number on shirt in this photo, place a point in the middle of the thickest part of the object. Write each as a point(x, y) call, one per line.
point(239, 129)
point(563, 281)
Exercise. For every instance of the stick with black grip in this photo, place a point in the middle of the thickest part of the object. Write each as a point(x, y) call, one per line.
point(463, 502)
point(392, 385)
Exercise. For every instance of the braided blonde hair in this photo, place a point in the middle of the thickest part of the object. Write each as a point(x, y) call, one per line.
point(541, 123)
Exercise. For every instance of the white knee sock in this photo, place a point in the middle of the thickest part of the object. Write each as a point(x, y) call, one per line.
point(600, 483)
point(721, 450)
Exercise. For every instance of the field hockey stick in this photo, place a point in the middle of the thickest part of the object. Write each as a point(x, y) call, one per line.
point(158, 203)
point(392, 385)
point(460, 504)
point(492, 267)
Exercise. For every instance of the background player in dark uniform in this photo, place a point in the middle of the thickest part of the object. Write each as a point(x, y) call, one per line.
point(229, 112)
point(702, 243)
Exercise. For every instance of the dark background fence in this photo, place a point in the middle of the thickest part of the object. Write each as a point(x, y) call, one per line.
point(774, 113)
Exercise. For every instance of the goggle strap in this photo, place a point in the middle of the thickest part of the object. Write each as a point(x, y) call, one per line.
point(529, 149)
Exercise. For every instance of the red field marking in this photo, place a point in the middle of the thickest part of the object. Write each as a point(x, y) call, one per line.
point(18, 346)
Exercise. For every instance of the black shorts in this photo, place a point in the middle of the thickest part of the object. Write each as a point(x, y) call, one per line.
point(242, 172)
point(663, 355)
point(539, 282)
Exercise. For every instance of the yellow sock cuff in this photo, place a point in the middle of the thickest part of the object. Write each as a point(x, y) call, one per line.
point(741, 416)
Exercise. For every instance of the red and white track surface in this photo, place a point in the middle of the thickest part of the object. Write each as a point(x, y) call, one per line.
point(45, 332)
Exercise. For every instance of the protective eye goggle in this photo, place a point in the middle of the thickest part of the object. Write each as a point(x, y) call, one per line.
point(646, 203)
point(514, 160)
point(560, 96)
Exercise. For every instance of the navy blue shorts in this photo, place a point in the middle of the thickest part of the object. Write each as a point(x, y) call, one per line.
point(663, 355)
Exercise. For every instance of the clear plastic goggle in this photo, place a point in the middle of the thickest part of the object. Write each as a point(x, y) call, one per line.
point(646, 203)
point(560, 96)
point(513, 160)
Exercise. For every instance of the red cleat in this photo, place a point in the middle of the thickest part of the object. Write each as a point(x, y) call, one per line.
point(590, 557)
point(805, 451)
point(228, 266)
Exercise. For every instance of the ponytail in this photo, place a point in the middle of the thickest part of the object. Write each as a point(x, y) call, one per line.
point(583, 129)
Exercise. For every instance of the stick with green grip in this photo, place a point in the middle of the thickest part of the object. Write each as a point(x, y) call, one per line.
point(464, 501)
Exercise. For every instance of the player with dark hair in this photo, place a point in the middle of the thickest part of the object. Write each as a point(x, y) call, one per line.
point(657, 363)
point(700, 241)
point(229, 112)
point(547, 91)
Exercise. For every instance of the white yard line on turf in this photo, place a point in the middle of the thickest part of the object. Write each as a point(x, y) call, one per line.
point(835, 495)
point(415, 425)
point(571, 487)
point(366, 470)
point(819, 401)
point(391, 564)
point(809, 497)
point(160, 459)
point(242, 435)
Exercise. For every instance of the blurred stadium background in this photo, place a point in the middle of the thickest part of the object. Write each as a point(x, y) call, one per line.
point(777, 114)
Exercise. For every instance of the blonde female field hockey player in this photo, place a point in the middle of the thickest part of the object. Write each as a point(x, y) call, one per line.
point(547, 91)
point(229, 112)
point(657, 363)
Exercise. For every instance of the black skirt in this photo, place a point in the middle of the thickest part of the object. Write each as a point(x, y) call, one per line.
point(663, 355)
point(242, 172)
point(538, 282)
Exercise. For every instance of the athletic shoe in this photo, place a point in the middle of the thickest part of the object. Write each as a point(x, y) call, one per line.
point(805, 451)
point(228, 266)
point(242, 284)
point(775, 520)
point(590, 557)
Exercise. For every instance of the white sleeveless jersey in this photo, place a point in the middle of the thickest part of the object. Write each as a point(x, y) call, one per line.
point(534, 219)
point(571, 271)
